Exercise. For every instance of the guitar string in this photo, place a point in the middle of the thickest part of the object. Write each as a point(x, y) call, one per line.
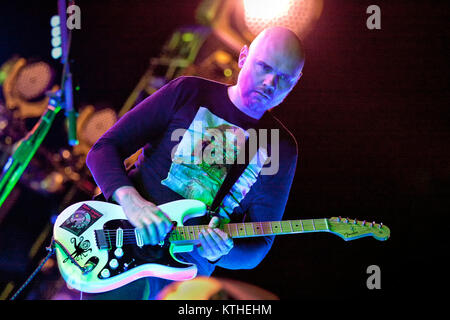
point(264, 224)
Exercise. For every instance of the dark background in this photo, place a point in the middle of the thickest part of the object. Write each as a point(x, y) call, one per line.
point(370, 116)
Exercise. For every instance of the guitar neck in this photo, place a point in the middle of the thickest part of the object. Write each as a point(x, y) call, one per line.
point(254, 229)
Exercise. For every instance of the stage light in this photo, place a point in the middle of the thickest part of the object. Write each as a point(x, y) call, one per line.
point(56, 42)
point(56, 37)
point(237, 22)
point(266, 9)
point(26, 85)
point(56, 53)
point(54, 21)
point(91, 125)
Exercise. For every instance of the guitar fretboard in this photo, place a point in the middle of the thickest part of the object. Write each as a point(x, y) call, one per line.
point(254, 229)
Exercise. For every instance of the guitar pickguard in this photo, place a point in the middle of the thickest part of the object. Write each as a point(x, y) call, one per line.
point(130, 256)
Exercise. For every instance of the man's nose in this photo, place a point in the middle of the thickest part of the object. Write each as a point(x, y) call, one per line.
point(270, 82)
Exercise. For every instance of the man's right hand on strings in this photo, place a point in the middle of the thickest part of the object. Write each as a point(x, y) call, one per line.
point(151, 222)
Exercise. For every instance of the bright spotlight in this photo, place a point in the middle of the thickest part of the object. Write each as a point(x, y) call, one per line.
point(296, 15)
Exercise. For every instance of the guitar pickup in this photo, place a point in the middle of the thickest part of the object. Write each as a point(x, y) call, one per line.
point(100, 239)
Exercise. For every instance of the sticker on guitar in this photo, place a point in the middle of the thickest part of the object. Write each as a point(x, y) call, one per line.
point(81, 249)
point(81, 220)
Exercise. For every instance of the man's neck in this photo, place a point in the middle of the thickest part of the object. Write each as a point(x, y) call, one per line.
point(235, 97)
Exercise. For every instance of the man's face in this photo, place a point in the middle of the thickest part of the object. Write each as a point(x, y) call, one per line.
point(269, 71)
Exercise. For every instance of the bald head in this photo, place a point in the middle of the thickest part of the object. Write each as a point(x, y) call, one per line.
point(282, 40)
point(270, 68)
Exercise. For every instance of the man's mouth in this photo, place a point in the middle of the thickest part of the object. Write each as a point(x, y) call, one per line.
point(263, 94)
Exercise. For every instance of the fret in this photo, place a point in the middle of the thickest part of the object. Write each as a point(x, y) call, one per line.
point(249, 229)
point(259, 228)
point(196, 230)
point(226, 229)
point(308, 225)
point(298, 226)
point(276, 227)
point(191, 233)
point(267, 227)
point(199, 228)
point(182, 233)
point(241, 230)
point(232, 231)
point(319, 224)
point(286, 227)
point(174, 235)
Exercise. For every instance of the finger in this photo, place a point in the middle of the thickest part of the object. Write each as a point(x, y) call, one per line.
point(219, 243)
point(142, 227)
point(204, 244)
point(214, 222)
point(160, 228)
point(152, 231)
point(167, 222)
point(225, 237)
point(214, 247)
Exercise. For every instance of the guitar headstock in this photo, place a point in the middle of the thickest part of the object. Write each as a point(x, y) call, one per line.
point(349, 229)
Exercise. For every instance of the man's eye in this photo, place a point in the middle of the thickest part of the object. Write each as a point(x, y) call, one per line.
point(264, 66)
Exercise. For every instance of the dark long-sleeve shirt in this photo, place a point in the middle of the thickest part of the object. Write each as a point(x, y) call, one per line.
point(189, 131)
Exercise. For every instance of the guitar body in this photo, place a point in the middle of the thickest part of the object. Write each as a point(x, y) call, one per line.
point(99, 250)
point(85, 234)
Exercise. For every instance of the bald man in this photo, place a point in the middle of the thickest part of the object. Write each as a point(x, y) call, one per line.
point(192, 132)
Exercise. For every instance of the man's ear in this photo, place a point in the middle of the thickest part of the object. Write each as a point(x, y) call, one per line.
point(243, 56)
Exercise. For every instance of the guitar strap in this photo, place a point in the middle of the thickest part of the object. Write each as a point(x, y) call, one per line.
point(230, 179)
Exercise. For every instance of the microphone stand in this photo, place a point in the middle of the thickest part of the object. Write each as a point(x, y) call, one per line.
point(27, 146)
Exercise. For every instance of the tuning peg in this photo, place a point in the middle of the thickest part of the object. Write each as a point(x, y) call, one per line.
point(346, 220)
point(339, 219)
point(381, 225)
point(364, 222)
point(355, 221)
point(372, 224)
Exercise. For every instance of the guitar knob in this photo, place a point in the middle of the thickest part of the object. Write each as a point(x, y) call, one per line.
point(118, 253)
point(114, 264)
point(105, 273)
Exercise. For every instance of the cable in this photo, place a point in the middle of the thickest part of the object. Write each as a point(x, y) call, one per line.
point(51, 250)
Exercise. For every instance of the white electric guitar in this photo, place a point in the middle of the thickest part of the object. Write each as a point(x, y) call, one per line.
point(99, 250)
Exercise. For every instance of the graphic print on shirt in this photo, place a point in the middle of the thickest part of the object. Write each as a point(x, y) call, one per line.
point(203, 157)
